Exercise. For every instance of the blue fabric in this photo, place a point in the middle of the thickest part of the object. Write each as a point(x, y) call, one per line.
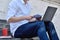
point(37, 28)
point(51, 31)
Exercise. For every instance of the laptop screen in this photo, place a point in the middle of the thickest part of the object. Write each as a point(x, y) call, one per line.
point(48, 16)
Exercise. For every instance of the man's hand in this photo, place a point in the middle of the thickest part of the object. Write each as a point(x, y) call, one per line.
point(32, 20)
point(28, 17)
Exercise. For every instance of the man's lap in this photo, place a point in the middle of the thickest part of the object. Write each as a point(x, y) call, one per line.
point(29, 29)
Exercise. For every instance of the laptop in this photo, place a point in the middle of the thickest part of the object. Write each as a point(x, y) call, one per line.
point(49, 14)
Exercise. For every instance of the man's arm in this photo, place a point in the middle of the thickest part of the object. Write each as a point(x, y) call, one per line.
point(16, 19)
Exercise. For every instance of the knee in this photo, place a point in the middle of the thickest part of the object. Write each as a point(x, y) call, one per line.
point(51, 23)
point(40, 23)
point(41, 26)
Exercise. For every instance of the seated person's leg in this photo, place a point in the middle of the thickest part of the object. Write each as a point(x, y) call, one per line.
point(42, 31)
point(32, 29)
point(51, 31)
point(26, 30)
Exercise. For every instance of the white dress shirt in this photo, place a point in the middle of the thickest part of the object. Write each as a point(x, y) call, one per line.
point(17, 8)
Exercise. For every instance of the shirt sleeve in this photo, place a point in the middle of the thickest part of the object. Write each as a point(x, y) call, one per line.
point(11, 10)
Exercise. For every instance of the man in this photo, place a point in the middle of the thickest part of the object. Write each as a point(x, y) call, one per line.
point(21, 23)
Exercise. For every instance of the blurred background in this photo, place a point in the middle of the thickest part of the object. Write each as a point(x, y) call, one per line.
point(38, 7)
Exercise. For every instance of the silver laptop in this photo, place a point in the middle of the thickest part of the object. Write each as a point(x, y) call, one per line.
point(48, 16)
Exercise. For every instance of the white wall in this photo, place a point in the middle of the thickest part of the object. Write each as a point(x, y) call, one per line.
point(3, 8)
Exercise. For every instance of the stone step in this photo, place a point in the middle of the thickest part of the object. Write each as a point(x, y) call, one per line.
point(15, 39)
point(10, 38)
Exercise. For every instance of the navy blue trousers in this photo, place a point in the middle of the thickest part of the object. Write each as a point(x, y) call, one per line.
point(51, 31)
point(37, 28)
